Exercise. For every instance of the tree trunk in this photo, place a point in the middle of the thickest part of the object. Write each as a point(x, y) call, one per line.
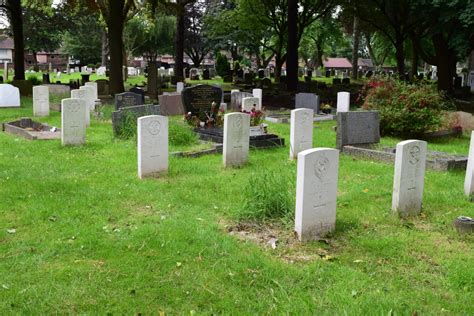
point(16, 21)
point(414, 63)
point(152, 81)
point(355, 48)
point(105, 49)
point(400, 56)
point(115, 25)
point(179, 44)
point(278, 64)
point(125, 64)
point(292, 47)
point(446, 64)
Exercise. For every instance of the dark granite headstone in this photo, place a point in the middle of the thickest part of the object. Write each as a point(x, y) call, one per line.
point(346, 81)
point(85, 78)
point(139, 91)
point(358, 127)
point(1, 79)
point(336, 81)
point(309, 73)
point(46, 79)
point(205, 74)
point(328, 73)
point(199, 98)
point(266, 83)
point(127, 99)
point(186, 72)
point(261, 73)
point(129, 115)
point(102, 87)
point(240, 73)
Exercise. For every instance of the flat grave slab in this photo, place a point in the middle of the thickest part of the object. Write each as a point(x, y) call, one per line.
point(216, 135)
point(29, 129)
point(285, 118)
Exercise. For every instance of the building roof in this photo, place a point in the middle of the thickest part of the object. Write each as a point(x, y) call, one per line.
point(6, 43)
point(365, 62)
point(337, 62)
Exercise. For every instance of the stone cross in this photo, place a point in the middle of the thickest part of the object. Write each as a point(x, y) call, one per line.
point(257, 93)
point(40, 101)
point(469, 179)
point(343, 101)
point(316, 193)
point(152, 145)
point(81, 94)
point(408, 181)
point(249, 103)
point(236, 139)
point(301, 131)
point(73, 126)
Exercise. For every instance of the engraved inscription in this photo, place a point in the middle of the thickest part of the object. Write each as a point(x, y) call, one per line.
point(414, 155)
point(321, 167)
point(154, 127)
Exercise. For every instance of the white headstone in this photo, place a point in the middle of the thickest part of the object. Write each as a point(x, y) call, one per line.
point(93, 84)
point(5, 71)
point(9, 96)
point(73, 127)
point(316, 193)
point(81, 94)
point(343, 101)
point(40, 101)
point(409, 178)
point(179, 87)
point(301, 131)
point(90, 97)
point(249, 103)
point(469, 179)
point(152, 139)
point(100, 71)
point(236, 139)
point(257, 93)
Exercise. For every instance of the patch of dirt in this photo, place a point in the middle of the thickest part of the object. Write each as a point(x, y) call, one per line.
point(279, 241)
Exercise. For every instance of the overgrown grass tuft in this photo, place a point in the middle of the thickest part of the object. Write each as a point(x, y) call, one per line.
point(268, 196)
point(181, 134)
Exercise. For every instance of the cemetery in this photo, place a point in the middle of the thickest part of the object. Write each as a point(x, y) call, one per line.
point(258, 179)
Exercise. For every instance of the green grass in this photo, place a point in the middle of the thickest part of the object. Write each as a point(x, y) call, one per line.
point(93, 238)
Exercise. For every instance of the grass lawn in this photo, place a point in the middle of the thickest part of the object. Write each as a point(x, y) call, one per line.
point(80, 233)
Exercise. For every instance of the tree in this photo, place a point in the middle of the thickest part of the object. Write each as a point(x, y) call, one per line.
point(115, 13)
point(355, 48)
point(292, 46)
point(13, 9)
point(43, 28)
point(196, 44)
point(150, 38)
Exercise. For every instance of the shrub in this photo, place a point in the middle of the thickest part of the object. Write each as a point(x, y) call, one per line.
point(268, 195)
point(406, 110)
point(34, 80)
point(222, 65)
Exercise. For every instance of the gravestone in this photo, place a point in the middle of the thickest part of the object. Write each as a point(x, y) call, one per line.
point(93, 84)
point(46, 79)
point(469, 179)
point(249, 103)
point(126, 115)
point(171, 104)
point(82, 94)
point(357, 128)
point(248, 77)
point(194, 74)
point(205, 74)
point(9, 96)
point(257, 93)
point(408, 181)
point(266, 83)
point(40, 101)
point(179, 87)
point(25, 86)
point(328, 73)
point(346, 81)
point(152, 145)
point(73, 127)
point(261, 73)
point(1, 79)
point(236, 139)
point(101, 71)
point(307, 101)
point(343, 101)
point(336, 81)
point(236, 99)
point(199, 98)
point(89, 95)
point(58, 89)
point(127, 99)
point(316, 193)
point(301, 131)
point(139, 91)
point(103, 87)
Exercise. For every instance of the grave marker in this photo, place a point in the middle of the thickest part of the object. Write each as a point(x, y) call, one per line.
point(469, 179)
point(93, 84)
point(301, 131)
point(200, 98)
point(127, 99)
point(73, 127)
point(357, 128)
point(81, 94)
point(40, 101)
point(236, 139)
point(316, 193)
point(343, 101)
point(152, 144)
point(408, 182)
point(249, 103)
point(9, 96)
point(89, 96)
point(257, 93)
point(307, 101)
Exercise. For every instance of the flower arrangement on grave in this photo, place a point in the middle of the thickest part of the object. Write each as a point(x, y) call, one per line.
point(212, 118)
point(256, 116)
point(326, 108)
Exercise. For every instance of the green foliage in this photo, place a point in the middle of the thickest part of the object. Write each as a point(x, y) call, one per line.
point(34, 79)
point(268, 195)
point(222, 65)
point(407, 110)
